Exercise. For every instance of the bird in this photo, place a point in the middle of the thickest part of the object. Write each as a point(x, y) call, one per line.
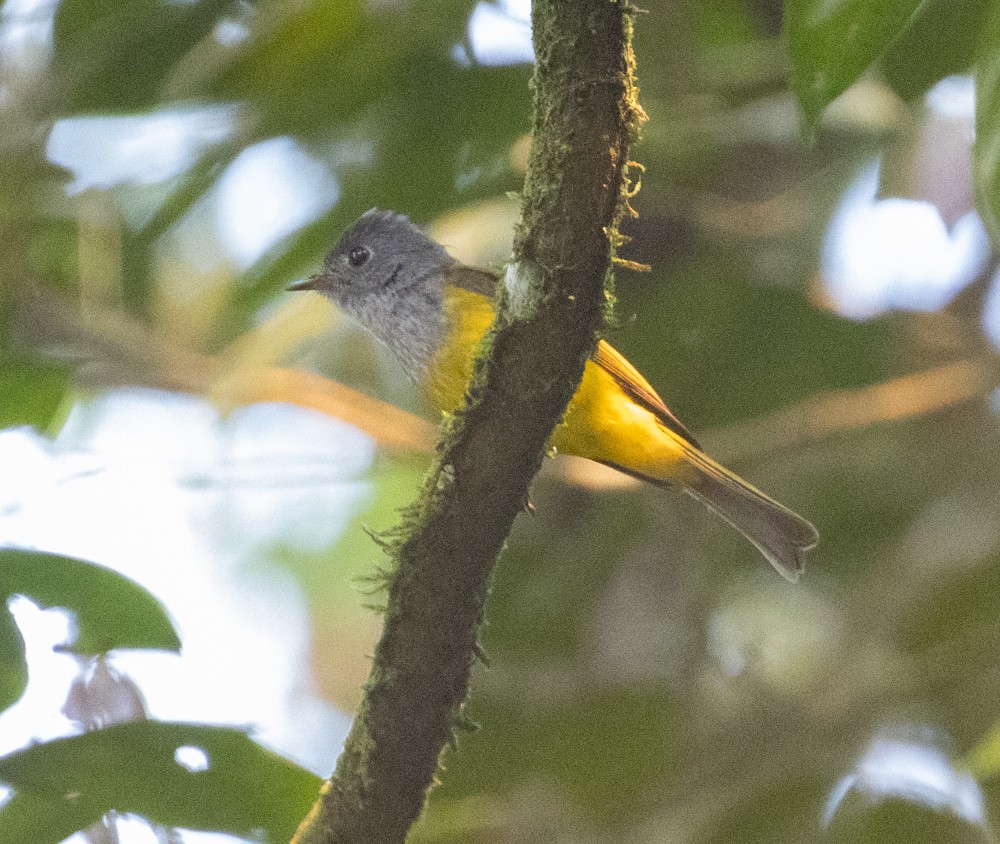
point(431, 311)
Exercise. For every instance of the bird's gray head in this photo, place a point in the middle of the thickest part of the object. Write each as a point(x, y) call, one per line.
point(389, 275)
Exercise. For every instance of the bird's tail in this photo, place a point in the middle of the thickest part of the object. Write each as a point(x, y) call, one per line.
point(783, 537)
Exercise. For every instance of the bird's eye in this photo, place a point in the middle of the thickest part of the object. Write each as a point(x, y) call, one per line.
point(359, 256)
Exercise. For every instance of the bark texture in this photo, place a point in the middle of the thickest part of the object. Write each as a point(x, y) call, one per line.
point(549, 315)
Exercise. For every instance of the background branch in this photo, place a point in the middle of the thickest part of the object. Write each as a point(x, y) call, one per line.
point(840, 411)
point(585, 109)
point(107, 348)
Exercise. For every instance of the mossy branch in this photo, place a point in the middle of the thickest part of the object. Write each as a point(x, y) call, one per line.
point(554, 303)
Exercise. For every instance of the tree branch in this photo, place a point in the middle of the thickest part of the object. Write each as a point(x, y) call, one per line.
point(585, 112)
point(834, 412)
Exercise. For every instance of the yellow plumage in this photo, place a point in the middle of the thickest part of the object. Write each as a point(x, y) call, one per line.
point(432, 312)
point(617, 418)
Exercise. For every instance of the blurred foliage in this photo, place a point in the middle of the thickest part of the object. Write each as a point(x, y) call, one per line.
point(937, 42)
point(831, 44)
point(133, 767)
point(987, 159)
point(649, 680)
point(33, 391)
point(109, 611)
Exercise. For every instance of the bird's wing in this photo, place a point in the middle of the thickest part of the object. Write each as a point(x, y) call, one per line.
point(637, 388)
point(473, 279)
point(626, 376)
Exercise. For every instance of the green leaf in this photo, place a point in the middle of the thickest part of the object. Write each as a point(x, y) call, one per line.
point(65, 785)
point(316, 43)
point(940, 41)
point(986, 153)
point(895, 820)
point(187, 189)
point(28, 818)
point(32, 392)
point(110, 611)
point(832, 43)
point(113, 55)
point(328, 62)
point(984, 759)
point(13, 669)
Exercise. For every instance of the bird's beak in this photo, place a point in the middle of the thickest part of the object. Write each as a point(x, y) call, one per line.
point(314, 282)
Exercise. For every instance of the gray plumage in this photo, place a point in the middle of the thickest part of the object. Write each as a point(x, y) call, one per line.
point(399, 283)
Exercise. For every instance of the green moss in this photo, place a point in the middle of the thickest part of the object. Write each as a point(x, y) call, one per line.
point(440, 564)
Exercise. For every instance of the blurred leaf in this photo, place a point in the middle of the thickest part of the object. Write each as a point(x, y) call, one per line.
point(32, 392)
point(958, 611)
point(344, 582)
point(336, 578)
point(114, 55)
point(24, 817)
point(605, 749)
point(986, 153)
point(609, 749)
point(328, 62)
point(311, 45)
point(719, 348)
point(939, 41)
point(724, 23)
point(984, 759)
point(464, 148)
point(295, 256)
point(65, 785)
point(896, 821)
point(13, 668)
point(109, 610)
point(542, 600)
point(187, 189)
point(763, 812)
point(832, 44)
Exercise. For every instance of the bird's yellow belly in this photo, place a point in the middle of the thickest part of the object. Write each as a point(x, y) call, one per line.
point(601, 423)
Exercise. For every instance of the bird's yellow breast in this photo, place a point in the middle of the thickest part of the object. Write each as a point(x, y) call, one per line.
point(601, 423)
point(467, 316)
